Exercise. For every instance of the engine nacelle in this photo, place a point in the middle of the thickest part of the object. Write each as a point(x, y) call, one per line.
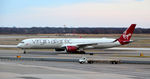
point(60, 49)
point(71, 48)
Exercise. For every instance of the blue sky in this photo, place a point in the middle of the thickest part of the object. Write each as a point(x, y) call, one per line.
point(10, 6)
point(99, 13)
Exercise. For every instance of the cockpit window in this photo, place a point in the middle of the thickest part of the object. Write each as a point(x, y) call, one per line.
point(21, 42)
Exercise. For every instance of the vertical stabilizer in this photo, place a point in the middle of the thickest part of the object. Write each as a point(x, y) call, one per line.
point(125, 37)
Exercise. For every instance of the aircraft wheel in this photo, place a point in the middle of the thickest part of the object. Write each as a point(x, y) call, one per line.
point(91, 54)
point(114, 62)
point(82, 52)
point(24, 52)
point(81, 62)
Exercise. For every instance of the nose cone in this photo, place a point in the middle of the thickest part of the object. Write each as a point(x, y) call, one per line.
point(19, 46)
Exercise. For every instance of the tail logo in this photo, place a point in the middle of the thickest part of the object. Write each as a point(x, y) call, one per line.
point(126, 36)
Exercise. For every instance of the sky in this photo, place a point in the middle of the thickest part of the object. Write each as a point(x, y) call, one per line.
point(74, 13)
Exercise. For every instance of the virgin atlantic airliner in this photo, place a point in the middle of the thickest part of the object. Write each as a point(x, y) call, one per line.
point(77, 45)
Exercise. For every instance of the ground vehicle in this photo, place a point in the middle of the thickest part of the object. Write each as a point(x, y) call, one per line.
point(85, 60)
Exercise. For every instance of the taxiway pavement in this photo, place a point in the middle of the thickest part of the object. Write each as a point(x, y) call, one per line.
point(73, 70)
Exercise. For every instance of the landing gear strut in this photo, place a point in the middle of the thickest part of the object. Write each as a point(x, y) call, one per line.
point(82, 52)
point(24, 52)
point(77, 52)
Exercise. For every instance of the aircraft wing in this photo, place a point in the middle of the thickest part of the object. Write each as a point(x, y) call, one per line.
point(121, 48)
point(84, 45)
point(80, 45)
point(8, 46)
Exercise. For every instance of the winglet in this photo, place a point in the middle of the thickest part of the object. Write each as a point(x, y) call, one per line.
point(125, 37)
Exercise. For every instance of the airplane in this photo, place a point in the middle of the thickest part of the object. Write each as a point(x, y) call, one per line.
point(77, 45)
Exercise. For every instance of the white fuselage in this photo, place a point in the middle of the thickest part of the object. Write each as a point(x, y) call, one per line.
point(52, 43)
point(77, 44)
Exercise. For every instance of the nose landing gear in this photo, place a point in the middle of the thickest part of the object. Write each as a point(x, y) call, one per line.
point(24, 52)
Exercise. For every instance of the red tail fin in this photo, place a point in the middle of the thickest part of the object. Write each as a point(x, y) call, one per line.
point(125, 37)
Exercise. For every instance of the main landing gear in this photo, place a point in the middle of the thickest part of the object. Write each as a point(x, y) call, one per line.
point(77, 52)
point(82, 52)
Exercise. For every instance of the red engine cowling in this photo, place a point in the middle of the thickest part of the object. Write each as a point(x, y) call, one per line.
point(71, 48)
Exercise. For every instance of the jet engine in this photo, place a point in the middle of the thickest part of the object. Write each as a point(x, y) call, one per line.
point(71, 48)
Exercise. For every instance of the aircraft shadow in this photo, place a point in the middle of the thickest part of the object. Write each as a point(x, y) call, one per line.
point(45, 53)
point(90, 53)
